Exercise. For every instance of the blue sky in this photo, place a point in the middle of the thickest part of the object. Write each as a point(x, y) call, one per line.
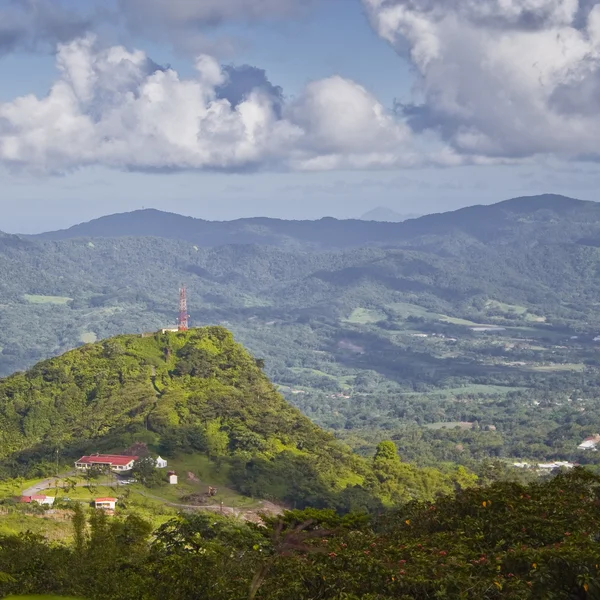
point(456, 146)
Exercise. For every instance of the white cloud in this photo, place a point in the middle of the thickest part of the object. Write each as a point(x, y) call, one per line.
point(116, 108)
point(501, 78)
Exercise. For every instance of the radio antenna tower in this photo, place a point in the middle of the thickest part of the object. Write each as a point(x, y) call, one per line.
point(183, 321)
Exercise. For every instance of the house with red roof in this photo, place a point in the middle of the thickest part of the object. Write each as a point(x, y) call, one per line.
point(105, 503)
point(114, 462)
point(37, 498)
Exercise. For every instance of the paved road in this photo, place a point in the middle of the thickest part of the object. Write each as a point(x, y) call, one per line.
point(38, 487)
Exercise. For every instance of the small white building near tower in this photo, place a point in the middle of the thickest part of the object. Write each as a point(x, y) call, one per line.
point(161, 463)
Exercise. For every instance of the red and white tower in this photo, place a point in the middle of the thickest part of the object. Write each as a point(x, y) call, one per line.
point(183, 321)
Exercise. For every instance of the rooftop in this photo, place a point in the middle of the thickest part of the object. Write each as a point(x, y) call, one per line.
point(109, 459)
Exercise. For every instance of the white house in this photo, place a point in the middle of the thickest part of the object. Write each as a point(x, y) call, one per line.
point(555, 465)
point(105, 503)
point(590, 443)
point(161, 463)
point(172, 477)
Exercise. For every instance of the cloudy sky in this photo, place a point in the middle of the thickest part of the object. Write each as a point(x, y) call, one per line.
point(292, 108)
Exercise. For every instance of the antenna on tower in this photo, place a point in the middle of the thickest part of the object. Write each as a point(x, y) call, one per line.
point(183, 321)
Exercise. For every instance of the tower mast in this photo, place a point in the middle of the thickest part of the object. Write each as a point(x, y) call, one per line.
point(183, 321)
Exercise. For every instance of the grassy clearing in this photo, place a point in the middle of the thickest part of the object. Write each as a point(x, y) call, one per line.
point(365, 316)
point(449, 425)
point(16, 522)
point(405, 310)
point(254, 302)
point(466, 322)
point(551, 368)
point(13, 487)
point(505, 308)
point(35, 299)
point(514, 309)
point(477, 389)
point(207, 473)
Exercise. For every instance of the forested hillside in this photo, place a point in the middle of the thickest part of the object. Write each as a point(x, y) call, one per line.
point(482, 320)
point(194, 392)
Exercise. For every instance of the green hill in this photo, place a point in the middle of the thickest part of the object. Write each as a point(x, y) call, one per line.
point(191, 392)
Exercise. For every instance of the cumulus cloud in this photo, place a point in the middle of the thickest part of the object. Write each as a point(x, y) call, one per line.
point(115, 107)
point(501, 78)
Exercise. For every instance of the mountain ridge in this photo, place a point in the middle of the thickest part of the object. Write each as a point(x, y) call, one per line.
point(483, 222)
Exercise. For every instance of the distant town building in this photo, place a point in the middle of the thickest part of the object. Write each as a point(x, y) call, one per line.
point(545, 466)
point(114, 462)
point(105, 503)
point(161, 463)
point(555, 465)
point(172, 477)
point(38, 499)
point(590, 443)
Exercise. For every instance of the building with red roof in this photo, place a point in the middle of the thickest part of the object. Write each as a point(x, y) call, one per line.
point(39, 498)
point(114, 462)
point(105, 503)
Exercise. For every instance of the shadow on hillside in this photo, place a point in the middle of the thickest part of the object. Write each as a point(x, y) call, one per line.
point(408, 366)
point(366, 275)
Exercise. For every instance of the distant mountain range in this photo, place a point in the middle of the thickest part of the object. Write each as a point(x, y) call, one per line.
point(526, 219)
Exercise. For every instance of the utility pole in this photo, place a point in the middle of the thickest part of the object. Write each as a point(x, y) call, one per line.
point(183, 320)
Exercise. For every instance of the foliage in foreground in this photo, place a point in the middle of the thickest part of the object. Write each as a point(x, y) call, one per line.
point(504, 541)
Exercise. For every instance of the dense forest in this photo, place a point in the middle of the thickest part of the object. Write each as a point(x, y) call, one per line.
point(462, 336)
point(505, 541)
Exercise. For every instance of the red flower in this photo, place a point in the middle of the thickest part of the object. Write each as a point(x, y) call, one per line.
point(367, 552)
point(402, 562)
point(373, 545)
point(344, 545)
point(443, 553)
point(332, 555)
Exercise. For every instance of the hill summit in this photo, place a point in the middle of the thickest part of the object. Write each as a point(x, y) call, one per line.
point(187, 392)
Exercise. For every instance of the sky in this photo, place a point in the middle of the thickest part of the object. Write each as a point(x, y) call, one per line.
point(298, 109)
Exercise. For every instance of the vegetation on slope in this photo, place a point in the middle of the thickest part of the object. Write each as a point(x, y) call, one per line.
point(195, 391)
point(506, 541)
